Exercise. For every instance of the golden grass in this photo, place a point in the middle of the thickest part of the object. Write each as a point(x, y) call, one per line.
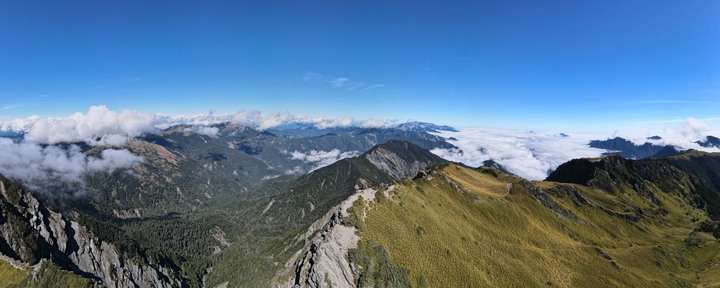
point(452, 239)
point(477, 182)
point(49, 276)
point(11, 276)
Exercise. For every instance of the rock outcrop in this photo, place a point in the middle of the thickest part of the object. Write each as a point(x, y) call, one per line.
point(401, 159)
point(323, 260)
point(30, 232)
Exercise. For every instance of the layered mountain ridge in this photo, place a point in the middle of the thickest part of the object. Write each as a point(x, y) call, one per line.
point(223, 211)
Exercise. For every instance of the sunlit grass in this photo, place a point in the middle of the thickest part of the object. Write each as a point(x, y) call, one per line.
point(480, 235)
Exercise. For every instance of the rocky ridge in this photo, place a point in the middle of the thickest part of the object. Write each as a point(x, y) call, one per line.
point(322, 262)
point(401, 159)
point(30, 233)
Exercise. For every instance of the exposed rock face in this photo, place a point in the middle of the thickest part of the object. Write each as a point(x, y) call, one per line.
point(30, 232)
point(401, 159)
point(323, 262)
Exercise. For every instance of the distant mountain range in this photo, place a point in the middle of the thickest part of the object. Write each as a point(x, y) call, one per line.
point(629, 149)
point(710, 141)
point(300, 206)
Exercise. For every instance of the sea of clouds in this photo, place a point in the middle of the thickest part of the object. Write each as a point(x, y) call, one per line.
point(528, 154)
point(533, 154)
point(683, 135)
point(320, 158)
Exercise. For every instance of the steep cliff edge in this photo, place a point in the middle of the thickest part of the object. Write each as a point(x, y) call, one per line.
point(31, 232)
point(323, 260)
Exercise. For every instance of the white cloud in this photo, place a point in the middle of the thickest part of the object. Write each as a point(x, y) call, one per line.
point(276, 119)
point(38, 166)
point(248, 118)
point(297, 170)
point(374, 86)
point(532, 154)
point(528, 154)
point(685, 135)
point(340, 82)
point(203, 130)
point(99, 125)
point(373, 123)
point(342, 121)
point(693, 129)
point(20, 124)
point(102, 126)
point(320, 158)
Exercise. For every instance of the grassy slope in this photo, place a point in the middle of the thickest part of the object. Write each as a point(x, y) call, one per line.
point(11, 276)
point(49, 276)
point(481, 235)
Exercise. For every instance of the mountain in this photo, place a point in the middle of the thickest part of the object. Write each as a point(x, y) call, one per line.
point(492, 164)
point(666, 151)
point(424, 127)
point(629, 149)
point(312, 130)
point(401, 159)
point(224, 237)
point(219, 209)
point(281, 217)
point(32, 233)
point(710, 141)
point(197, 197)
point(183, 170)
point(602, 222)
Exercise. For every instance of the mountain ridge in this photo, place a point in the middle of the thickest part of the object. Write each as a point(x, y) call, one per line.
point(245, 237)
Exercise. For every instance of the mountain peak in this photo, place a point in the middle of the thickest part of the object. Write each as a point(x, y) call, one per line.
point(709, 142)
point(628, 149)
point(401, 159)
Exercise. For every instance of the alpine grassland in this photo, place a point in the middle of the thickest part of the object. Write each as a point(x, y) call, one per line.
point(459, 227)
point(45, 275)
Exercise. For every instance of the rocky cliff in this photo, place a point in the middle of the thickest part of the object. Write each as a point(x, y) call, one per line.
point(323, 260)
point(401, 159)
point(31, 232)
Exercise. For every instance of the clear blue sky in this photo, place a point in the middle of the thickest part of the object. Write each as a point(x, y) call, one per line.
point(473, 63)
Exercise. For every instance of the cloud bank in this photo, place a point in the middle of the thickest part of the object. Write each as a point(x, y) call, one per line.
point(99, 126)
point(530, 155)
point(685, 135)
point(203, 130)
point(319, 158)
point(102, 126)
point(40, 166)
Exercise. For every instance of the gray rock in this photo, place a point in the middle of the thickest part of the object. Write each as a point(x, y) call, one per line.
point(30, 232)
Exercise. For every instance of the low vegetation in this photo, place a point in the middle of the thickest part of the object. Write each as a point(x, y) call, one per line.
point(48, 275)
point(378, 268)
point(464, 226)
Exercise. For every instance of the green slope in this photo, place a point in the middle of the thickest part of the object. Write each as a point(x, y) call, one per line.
point(48, 275)
point(465, 228)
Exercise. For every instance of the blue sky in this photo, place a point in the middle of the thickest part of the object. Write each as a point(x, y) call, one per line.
point(523, 64)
